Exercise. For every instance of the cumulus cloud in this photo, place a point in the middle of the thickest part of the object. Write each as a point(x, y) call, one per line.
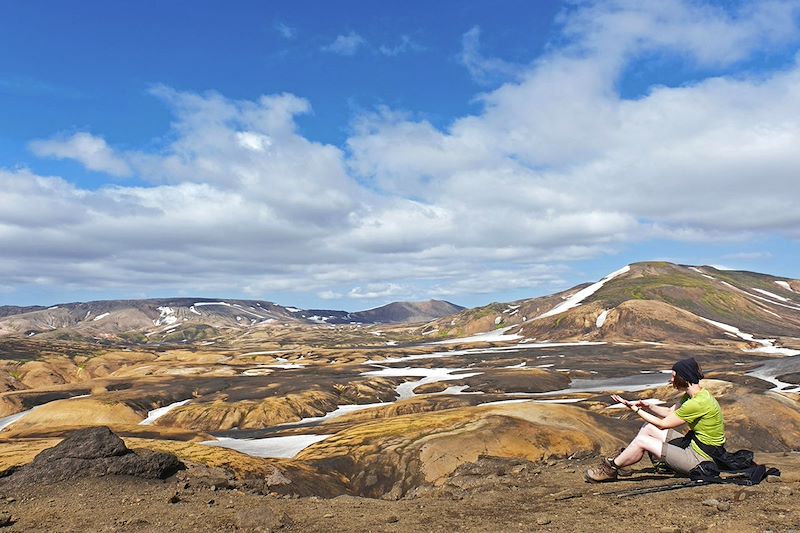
point(93, 152)
point(345, 45)
point(712, 35)
point(564, 153)
point(555, 167)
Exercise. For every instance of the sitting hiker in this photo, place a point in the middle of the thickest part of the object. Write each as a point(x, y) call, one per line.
point(697, 408)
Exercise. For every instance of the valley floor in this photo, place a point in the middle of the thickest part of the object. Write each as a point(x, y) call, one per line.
point(491, 495)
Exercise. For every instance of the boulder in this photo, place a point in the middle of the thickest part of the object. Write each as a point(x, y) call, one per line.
point(95, 452)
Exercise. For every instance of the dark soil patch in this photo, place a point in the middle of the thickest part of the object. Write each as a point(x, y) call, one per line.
point(794, 378)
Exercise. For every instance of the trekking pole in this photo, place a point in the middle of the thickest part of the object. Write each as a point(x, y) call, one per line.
point(660, 488)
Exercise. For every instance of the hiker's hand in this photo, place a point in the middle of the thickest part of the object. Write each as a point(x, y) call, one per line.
point(620, 399)
point(641, 404)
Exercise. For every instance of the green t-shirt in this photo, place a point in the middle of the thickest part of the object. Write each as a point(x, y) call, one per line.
point(703, 416)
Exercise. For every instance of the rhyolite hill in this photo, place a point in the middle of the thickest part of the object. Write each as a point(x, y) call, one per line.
point(652, 301)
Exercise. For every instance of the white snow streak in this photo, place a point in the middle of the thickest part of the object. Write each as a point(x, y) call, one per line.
point(155, 414)
point(277, 447)
point(167, 316)
point(576, 299)
point(497, 335)
point(773, 302)
point(428, 375)
point(771, 295)
point(602, 318)
point(767, 345)
point(340, 411)
point(768, 376)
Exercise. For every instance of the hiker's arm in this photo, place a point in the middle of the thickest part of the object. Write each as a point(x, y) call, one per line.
point(659, 410)
point(668, 422)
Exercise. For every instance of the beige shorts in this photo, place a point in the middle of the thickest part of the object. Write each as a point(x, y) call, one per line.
point(680, 459)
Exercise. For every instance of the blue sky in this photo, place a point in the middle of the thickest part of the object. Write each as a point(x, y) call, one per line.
point(347, 154)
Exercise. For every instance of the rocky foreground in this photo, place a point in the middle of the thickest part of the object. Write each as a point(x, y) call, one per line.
point(488, 495)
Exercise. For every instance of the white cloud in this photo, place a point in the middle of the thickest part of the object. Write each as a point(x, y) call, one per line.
point(345, 45)
point(374, 291)
point(91, 151)
point(556, 167)
point(330, 295)
point(286, 31)
point(711, 35)
point(563, 156)
point(253, 141)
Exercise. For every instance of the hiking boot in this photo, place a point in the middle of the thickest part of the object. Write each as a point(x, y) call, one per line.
point(605, 471)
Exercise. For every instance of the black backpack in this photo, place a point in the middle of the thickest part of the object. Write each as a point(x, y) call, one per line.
point(709, 472)
point(739, 462)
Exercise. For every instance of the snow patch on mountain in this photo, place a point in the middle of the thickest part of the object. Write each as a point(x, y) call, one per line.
point(200, 304)
point(277, 447)
point(750, 294)
point(701, 272)
point(601, 319)
point(767, 345)
point(167, 316)
point(772, 295)
point(155, 414)
point(577, 298)
point(498, 335)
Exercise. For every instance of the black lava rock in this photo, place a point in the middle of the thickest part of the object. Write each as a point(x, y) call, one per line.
point(95, 452)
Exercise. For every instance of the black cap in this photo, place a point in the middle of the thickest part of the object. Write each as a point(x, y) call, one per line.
point(688, 369)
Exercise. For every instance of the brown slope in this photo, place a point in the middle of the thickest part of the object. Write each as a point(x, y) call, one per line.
point(393, 455)
point(642, 320)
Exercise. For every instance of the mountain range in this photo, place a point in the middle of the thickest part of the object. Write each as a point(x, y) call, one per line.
point(649, 301)
point(195, 317)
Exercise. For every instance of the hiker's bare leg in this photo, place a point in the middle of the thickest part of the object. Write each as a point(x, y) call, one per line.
point(650, 439)
point(653, 431)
